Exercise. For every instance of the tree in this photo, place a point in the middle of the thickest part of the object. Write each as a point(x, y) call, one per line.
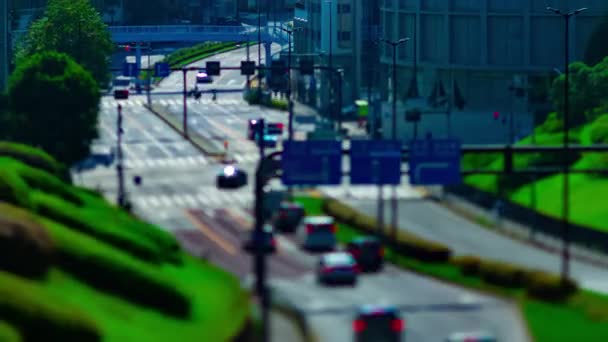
point(587, 93)
point(75, 28)
point(53, 104)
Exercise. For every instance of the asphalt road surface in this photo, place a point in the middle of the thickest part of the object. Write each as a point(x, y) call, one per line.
point(178, 193)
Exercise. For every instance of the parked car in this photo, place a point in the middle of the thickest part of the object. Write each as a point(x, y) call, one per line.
point(274, 128)
point(264, 240)
point(368, 252)
point(318, 233)
point(337, 268)
point(378, 323)
point(231, 177)
point(288, 217)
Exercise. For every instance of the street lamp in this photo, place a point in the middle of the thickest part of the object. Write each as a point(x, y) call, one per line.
point(566, 169)
point(290, 102)
point(394, 44)
point(394, 203)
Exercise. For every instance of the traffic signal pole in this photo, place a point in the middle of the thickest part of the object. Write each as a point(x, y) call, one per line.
point(121, 200)
point(185, 119)
point(260, 256)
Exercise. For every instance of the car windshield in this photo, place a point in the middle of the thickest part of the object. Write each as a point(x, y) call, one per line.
point(122, 82)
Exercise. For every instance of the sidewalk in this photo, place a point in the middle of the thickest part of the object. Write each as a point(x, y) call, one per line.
point(516, 230)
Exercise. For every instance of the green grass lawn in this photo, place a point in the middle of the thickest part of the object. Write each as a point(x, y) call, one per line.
point(584, 317)
point(548, 190)
point(106, 275)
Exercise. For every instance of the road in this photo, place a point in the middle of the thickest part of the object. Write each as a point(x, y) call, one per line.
point(178, 193)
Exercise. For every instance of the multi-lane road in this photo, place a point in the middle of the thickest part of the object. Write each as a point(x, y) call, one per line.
point(178, 193)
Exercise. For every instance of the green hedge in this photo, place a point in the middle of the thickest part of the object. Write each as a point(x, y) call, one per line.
point(38, 316)
point(177, 57)
point(254, 97)
point(406, 244)
point(538, 284)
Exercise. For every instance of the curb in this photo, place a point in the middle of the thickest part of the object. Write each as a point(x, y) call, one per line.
point(199, 142)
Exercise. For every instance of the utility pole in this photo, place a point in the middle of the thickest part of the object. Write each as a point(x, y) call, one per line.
point(289, 99)
point(566, 150)
point(121, 200)
point(259, 35)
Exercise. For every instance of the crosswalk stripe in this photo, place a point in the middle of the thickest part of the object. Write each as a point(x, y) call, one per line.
point(163, 102)
point(204, 199)
point(154, 201)
point(191, 200)
point(179, 200)
point(166, 200)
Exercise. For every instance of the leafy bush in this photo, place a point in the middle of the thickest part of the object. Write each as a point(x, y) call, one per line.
point(279, 104)
point(553, 124)
point(38, 317)
point(406, 244)
point(12, 188)
point(599, 130)
point(550, 287)
point(181, 55)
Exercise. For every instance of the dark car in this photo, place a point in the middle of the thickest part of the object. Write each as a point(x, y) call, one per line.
point(264, 240)
point(368, 252)
point(288, 217)
point(231, 177)
point(274, 128)
point(378, 323)
point(319, 233)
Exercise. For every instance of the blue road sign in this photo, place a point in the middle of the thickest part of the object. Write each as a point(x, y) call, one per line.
point(130, 69)
point(434, 162)
point(161, 69)
point(317, 162)
point(375, 162)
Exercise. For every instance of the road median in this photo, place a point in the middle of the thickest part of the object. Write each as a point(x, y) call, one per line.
point(203, 144)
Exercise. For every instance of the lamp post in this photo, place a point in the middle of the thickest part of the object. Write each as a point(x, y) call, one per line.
point(394, 204)
point(259, 34)
point(566, 169)
point(290, 102)
point(330, 56)
point(121, 200)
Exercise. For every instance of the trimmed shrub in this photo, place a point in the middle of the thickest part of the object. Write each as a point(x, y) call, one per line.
point(13, 189)
point(468, 264)
point(502, 274)
point(115, 271)
point(8, 333)
point(35, 158)
point(279, 104)
point(77, 219)
point(25, 247)
point(550, 287)
point(43, 181)
point(41, 317)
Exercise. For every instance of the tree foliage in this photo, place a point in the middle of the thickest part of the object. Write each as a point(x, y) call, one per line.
point(75, 28)
point(53, 104)
point(588, 90)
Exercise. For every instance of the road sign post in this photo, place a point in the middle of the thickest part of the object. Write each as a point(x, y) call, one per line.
point(161, 69)
point(434, 162)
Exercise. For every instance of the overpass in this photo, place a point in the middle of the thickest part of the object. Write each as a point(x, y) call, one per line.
point(194, 33)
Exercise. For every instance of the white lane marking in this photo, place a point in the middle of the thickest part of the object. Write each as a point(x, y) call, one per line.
point(179, 200)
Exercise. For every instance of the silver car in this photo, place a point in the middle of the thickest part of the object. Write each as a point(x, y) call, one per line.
point(477, 336)
point(337, 268)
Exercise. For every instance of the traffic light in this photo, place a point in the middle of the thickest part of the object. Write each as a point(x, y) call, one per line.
point(496, 115)
point(278, 67)
point(127, 48)
point(212, 68)
point(247, 68)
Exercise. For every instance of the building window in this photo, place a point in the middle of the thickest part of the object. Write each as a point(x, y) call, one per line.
point(344, 35)
point(343, 8)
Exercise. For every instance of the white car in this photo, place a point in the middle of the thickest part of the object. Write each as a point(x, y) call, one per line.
point(202, 77)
